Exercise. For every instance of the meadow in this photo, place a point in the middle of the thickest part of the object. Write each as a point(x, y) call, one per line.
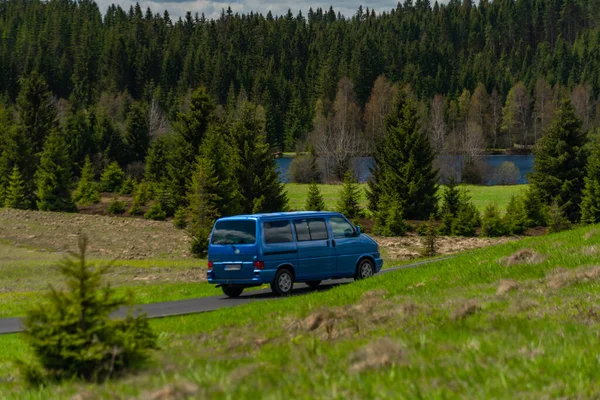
point(515, 320)
point(480, 195)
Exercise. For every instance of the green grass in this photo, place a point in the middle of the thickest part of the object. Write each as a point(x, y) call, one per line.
point(439, 331)
point(481, 195)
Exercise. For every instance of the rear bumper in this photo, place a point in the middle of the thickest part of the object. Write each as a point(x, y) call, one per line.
point(260, 277)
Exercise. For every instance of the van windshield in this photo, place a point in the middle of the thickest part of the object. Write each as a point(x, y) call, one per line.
point(235, 232)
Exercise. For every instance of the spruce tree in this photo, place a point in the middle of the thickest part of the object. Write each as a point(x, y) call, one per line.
point(112, 178)
point(137, 133)
point(53, 177)
point(314, 201)
point(253, 165)
point(560, 159)
point(157, 159)
point(349, 198)
point(87, 190)
point(590, 202)
point(15, 191)
point(404, 164)
point(203, 205)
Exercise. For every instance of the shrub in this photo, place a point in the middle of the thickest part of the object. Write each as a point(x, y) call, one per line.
point(87, 191)
point(492, 224)
point(349, 201)
point(155, 212)
point(515, 218)
point(557, 220)
point(466, 220)
point(73, 335)
point(304, 169)
point(128, 185)
point(507, 173)
point(117, 207)
point(112, 178)
point(180, 220)
point(315, 201)
point(430, 238)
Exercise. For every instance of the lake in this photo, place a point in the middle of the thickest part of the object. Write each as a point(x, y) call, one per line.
point(523, 162)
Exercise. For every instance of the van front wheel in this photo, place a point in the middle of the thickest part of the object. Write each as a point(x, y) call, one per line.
point(231, 291)
point(365, 269)
point(283, 283)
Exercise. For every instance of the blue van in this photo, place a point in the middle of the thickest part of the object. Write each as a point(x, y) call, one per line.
point(280, 249)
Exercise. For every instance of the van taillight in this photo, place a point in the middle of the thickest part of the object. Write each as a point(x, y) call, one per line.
point(259, 265)
point(210, 265)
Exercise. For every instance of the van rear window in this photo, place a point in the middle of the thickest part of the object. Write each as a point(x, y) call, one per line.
point(234, 232)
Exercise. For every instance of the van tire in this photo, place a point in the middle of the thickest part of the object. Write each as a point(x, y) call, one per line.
point(232, 291)
point(313, 284)
point(283, 284)
point(365, 269)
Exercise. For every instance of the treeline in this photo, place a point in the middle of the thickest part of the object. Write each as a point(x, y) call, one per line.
point(292, 65)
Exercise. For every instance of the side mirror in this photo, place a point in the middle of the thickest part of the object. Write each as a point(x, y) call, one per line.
point(358, 230)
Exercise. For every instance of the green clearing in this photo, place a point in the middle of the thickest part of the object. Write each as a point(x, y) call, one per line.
point(481, 195)
point(476, 326)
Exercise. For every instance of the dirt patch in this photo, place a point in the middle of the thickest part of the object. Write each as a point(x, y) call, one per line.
point(523, 256)
point(590, 250)
point(382, 353)
point(590, 234)
point(411, 246)
point(110, 237)
point(562, 278)
point(465, 310)
point(182, 390)
point(506, 286)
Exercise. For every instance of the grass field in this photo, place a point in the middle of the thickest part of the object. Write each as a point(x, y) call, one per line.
point(518, 320)
point(481, 195)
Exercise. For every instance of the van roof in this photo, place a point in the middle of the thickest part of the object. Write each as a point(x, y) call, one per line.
point(295, 214)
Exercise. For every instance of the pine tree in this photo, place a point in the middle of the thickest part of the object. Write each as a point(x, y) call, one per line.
point(315, 201)
point(137, 133)
point(110, 141)
point(15, 191)
point(349, 198)
point(560, 159)
point(590, 202)
point(253, 165)
point(73, 334)
point(87, 191)
point(430, 238)
point(53, 177)
point(557, 220)
point(451, 198)
point(112, 178)
point(203, 205)
point(404, 164)
point(157, 159)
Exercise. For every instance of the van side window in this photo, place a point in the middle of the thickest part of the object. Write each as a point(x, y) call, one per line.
point(278, 232)
point(341, 228)
point(311, 229)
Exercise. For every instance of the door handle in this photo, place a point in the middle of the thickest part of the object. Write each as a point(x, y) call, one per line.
point(333, 242)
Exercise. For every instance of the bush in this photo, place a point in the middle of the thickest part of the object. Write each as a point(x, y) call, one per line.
point(73, 335)
point(128, 186)
point(507, 173)
point(492, 224)
point(304, 169)
point(314, 201)
point(180, 220)
point(466, 220)
point(200, 234)
point(117, 207)
point(515, 219)
point(349, 201)
point(557, 220)
point(430, 238)
point(112, 178)
point(155, 212)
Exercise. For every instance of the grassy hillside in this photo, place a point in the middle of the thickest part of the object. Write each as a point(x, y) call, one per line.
point(481, 195)
point(512, 321)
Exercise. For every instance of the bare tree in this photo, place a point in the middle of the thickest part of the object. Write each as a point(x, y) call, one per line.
point(495, 118)
point(479, 110)
point(437, 123)
point(376, 109)
point(544, 107)
point(582, 101)
point(515, 114)
point(157, 121)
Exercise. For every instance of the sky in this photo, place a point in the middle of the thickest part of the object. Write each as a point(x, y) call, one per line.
point(211, 8)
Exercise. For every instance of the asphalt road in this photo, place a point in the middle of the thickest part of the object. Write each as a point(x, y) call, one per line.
point(207, 304)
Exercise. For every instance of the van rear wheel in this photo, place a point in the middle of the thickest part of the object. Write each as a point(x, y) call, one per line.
point(283, 283)
point(231, 291)
point(313, 284)
point(365, 269)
